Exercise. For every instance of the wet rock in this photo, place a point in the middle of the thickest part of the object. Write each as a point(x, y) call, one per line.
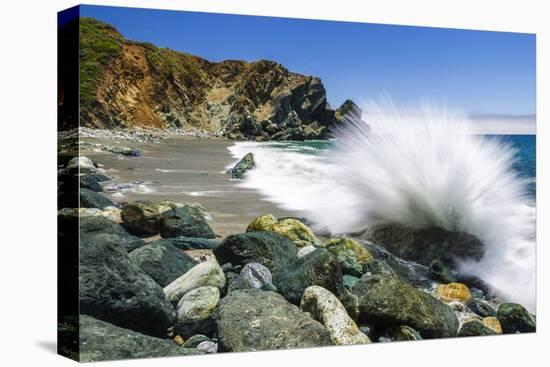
point(480, 307)
point(267, 248)
point(194, 311)
point(162, 261)
point(426, 245)
point(204, 274)
point(251, 320)
point(442, 272)
point(351, 255)
point(80, 165)
point(114, 289)
point(349, 281)
point(253, 275)
point(386, 301)
point(474, 328)
point(90, 182)
point(306, 250)
point(453, 292)
point(102, 341)
point(92, 199)
point(194, 243)
point(245, 164)
point(378, 267)
point(327, 309)
point(292, 229)
point(319, 267)
point(514, 318)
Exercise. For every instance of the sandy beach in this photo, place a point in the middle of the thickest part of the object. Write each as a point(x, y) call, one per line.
point(186, 170)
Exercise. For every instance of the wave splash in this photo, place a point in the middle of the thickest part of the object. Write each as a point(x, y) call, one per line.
point(419, 167)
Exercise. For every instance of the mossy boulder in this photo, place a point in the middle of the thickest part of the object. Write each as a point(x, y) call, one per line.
point(453, 292)
point(351, 255)
point(327, 309)
point(387, 301)
point(291, 228)
point(143, 218)
point(194, 312)
point(254, 320)
point(319, 267)
point(514, 318)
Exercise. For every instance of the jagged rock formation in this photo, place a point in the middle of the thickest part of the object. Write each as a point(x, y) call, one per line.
point(126, 83)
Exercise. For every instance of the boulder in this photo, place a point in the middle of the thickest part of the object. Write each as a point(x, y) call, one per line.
point(253, 275)
point(319, 267)
point(92, 199)
point(453, 292)
point(426, 245)
point(474, 328)
point(90, 182)
point(253, 320)
point(378, 267)
point(267, 248)
point(187, 220)
point(102, 341)
point(292, 229)
point(194, 311)
point(143, 218)
point(79, 165)
point(386, 301)
point(480, 307)
point(239, 169)
point(351, 255)
point(514, 318)
point(204, 274)
point(327, 309)
point(162, 261)
point(90, 226)
point(194, 243)
point(114, 289)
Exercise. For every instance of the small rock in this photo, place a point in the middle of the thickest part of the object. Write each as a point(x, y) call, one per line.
point(204, 274)
point(481, 307)
point(92, 199)
point(239, 169)
point(178, 340)
point(453, 292)
point(293, 229)
point(88, 181)
point(378, 267)
point(194, 311)
point(402, 333)
point(194, 243)
point(253, 275)
point(207, 346)
point(80, 165)
point(327, 309)
point(514, 318)
point(195, 340)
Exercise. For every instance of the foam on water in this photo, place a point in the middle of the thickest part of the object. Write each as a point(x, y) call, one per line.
point(419, 167)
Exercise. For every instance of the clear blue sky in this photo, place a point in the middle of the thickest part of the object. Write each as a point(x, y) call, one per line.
point(479, 72)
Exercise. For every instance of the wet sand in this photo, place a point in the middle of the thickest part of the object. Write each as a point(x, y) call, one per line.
point(186, 170)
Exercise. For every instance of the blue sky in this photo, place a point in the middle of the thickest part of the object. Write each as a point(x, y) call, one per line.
point(476, 71)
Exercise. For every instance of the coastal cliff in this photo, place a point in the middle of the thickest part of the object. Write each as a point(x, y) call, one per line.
point(125, 84)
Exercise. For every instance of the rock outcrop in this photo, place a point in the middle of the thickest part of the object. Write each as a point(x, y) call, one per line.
point(126, 83)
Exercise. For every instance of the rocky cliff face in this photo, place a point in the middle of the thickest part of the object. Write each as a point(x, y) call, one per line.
point(126, 84)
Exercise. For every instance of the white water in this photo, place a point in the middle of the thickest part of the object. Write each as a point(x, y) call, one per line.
point(419, 167)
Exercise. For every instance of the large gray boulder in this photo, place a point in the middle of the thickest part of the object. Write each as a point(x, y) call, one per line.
point(187, 220)
point(92, 199)
point(114, 289)
point(253, 320)
point(386, 301)
point(102, 341)
point(267, 248)
point(162, 261)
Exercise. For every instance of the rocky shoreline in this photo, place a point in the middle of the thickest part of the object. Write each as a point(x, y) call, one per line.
point(156, 281)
